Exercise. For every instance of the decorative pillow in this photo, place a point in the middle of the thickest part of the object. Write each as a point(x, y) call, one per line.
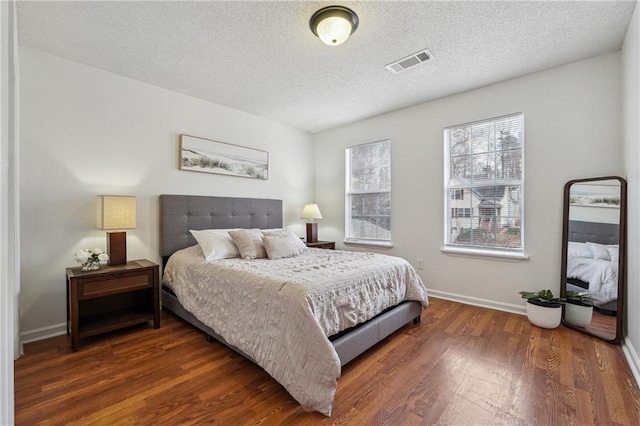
point(286, 232)
point(613, 253)
point(599, 251)
point(279, 246)
point(578, 250)
point(216, 243)
point(249, 242)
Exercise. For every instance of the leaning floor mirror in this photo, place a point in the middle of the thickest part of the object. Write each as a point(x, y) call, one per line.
point(593, 256)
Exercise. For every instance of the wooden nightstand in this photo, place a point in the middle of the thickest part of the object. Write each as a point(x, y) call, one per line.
point(330, 245)
point(111, 298)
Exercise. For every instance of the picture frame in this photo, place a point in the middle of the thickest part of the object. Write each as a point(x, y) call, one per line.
point(602, 194)
point(208, 156)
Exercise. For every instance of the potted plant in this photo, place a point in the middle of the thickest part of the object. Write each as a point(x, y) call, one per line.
point(578, 308)
point(543, 309)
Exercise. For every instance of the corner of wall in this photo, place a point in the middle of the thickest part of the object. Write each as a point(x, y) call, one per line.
point(630, 69)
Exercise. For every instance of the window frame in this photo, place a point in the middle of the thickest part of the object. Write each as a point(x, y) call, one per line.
point(376, 242)
point(517, 253)
point(458, 194)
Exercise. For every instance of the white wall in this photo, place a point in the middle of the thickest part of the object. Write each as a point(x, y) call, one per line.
point(631, 137)
point(572, 130)
point(87, 132)
point(595, 214)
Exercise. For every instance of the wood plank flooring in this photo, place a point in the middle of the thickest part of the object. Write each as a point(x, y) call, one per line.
point(463, 365)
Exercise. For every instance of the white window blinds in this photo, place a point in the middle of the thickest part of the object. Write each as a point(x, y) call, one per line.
point(368, 192)
point(484, 184)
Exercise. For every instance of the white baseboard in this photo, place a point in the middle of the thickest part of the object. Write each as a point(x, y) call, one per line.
point(632, 358)
point(483, 303)
point(43, 333)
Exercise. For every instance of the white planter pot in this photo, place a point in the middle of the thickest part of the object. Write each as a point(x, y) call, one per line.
point(544, 316)
point(578, 315)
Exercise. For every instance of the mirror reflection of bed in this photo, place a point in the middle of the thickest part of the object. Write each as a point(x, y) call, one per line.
point(593, 218)
point(592, 267)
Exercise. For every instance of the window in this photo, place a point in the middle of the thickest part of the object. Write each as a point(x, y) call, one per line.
point(368, 203)
point(484, 185)
point(460, 212)
point(457, 194)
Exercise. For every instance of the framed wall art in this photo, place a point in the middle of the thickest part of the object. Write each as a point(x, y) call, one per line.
point(605, 193)
point(209, 156)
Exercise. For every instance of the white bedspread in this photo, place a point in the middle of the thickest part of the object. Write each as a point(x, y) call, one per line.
point(602, 276)
point(279, 312)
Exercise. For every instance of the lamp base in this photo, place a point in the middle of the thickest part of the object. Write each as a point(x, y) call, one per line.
point(312, 232)
point(117, 248)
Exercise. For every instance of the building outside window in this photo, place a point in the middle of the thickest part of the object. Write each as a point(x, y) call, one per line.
point(368, 193)
point(484, 185)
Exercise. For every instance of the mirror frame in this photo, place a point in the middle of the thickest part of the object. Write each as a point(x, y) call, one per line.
point(622, 250)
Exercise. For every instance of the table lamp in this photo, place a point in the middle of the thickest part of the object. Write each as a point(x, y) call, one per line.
point(116, 212)
point(311, 212)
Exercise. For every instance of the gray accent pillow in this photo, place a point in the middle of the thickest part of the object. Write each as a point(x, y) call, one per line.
point(279, 246)
point(286, 232)
point(249, 242)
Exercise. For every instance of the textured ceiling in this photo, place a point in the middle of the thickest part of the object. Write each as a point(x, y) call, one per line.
point(261, 57)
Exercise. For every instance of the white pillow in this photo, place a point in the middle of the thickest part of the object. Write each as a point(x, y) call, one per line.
point(599, 251)
point(297, 242)
point(578, 250)
point(216, 243)
point(249, 242)
point(614, 253)
point(279, 246)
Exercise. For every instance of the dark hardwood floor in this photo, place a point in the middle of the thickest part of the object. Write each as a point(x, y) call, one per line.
point(462, 365)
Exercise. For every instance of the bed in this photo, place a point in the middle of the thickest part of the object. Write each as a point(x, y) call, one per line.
point(592, 262)
point(295, 349)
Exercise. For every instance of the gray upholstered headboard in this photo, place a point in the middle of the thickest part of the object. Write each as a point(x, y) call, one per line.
point(180, 213)
point(592, 232)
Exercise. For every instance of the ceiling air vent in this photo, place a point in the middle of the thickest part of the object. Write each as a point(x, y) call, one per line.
point(409, 62)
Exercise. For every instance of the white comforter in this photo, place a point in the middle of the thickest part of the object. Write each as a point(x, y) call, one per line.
point(279, 312)
point(602, 276)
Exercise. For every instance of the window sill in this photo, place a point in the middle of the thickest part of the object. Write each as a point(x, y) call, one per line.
point(486, 254)
point(380, 244)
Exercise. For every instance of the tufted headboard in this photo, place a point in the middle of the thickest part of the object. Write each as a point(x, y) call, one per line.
point(602, 233)
point(180, 213)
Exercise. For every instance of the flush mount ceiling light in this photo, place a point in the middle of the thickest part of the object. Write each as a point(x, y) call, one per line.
point(334, 24)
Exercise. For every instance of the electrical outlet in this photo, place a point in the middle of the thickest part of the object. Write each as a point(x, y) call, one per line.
point(420, 264)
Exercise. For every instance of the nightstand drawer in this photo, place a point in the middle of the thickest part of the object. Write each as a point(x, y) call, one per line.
point(114, 283)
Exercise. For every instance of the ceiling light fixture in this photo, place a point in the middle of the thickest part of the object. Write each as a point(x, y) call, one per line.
point(334, 24)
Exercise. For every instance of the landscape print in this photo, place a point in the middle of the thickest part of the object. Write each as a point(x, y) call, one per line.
point(208, 156)
point(604, 193)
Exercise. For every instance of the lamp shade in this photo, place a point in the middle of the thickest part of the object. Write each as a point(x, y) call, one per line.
point(334, 24)
point(311, 211)
point(116, 212)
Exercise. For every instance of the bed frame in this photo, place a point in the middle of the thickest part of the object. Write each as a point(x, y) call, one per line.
point(601, 233)
point(180, 213)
